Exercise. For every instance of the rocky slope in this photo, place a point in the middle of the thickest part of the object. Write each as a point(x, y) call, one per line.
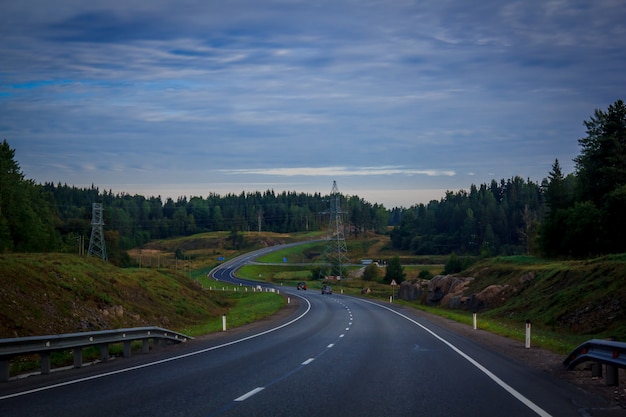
point(585, 297)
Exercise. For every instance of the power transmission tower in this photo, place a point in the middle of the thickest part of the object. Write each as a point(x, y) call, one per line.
point(96, 243)
point(336, 252)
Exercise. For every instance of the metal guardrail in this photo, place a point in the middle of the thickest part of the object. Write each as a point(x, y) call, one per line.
point(44, 345)
point(607, 352)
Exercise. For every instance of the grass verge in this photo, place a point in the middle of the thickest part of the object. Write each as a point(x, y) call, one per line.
point(247, 308)
point(540, 338)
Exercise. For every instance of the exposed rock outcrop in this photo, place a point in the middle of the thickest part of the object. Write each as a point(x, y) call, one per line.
point(444, 289)
point(453, 292)
point(413, 290)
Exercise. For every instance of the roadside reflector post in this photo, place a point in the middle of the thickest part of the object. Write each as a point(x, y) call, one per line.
point(474, 319)
point(224, 322)
point(527, 334)
point(288, 300)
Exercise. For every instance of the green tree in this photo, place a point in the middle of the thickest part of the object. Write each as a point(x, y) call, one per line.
point(425, 274)
point(556, 193)
point(453, 265)
point(319, 272)
point(581, 237)
point(601, 165)
point(613, 211)
point(236, 239)
point(371, 272)
point(10, 179)
point(26, 220)
point(394, 271)
point(601, 172)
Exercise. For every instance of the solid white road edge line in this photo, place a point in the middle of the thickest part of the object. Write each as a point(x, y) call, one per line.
point(540, 411)
point(146, 365)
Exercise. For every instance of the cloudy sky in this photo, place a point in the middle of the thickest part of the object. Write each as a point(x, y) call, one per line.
point(396, 100)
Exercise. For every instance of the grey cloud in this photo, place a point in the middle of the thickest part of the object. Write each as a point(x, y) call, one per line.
point(489, 87)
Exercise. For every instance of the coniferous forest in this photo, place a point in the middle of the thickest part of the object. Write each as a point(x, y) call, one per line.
point(571, 216)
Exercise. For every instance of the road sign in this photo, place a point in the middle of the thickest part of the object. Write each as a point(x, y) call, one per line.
point(393, 282)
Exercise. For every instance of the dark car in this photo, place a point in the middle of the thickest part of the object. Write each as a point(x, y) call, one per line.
point(302, 285)
point(327, 289)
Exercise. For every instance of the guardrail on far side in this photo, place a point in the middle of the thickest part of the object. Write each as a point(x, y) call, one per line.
point(44, 345)
point(607, 352)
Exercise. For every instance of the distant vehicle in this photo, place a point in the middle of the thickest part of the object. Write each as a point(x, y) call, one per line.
point(302, 286)
point(327, 289)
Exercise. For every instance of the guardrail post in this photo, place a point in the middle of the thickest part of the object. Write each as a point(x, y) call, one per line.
point(4, 369)
point(596, 370)
point(104, 352)
point(43, 346)
point(145, 345)
point(78, 357)
point(612, 379)
point(45, 362)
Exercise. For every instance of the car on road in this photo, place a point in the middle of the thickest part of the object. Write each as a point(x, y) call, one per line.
point(302, 286)
point(327, 289)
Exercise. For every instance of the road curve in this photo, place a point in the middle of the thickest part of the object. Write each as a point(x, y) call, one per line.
point(332, 355)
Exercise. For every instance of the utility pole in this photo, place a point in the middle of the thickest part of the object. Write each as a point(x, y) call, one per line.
point(81, 244)
point(97, 245)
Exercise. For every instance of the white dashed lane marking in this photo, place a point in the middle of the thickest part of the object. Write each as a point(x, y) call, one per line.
point(249, 394)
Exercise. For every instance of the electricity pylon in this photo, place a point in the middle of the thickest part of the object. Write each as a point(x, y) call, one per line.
point(97, 246)
point(336, 252)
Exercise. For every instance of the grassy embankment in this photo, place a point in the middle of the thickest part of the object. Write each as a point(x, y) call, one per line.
point(62, 293)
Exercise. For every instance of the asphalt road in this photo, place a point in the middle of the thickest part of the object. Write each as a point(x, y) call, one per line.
point(331, 355)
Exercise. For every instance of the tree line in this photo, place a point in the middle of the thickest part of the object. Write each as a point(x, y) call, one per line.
point(57, 217)
point(491, 219)
point(576, 215)
point(573, 215)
